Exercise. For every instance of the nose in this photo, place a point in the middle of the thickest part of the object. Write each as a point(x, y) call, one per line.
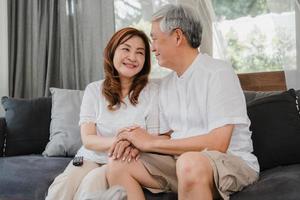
point(132, 56)
point(153, 49)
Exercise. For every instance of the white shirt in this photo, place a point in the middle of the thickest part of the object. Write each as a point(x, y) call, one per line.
point(207, 96)
point(94, 109)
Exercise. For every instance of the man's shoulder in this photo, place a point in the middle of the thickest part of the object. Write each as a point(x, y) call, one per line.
point(213, 65)
point(152, 87)
point(167, 79)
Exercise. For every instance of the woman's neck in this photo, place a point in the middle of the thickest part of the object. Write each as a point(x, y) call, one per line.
point(125, 86)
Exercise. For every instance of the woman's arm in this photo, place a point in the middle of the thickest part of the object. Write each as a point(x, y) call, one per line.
point(92, 141)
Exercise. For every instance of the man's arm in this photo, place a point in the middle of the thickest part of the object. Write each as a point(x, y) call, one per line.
point(218, 139)
point(114, 151)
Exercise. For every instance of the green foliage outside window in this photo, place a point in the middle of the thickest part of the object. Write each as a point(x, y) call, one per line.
point(256, 53)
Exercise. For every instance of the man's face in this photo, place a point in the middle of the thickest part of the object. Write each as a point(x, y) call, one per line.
point(163, 46)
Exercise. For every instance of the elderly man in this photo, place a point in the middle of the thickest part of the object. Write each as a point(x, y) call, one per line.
point(202, 108)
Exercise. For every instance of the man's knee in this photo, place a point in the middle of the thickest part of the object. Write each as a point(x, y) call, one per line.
point(193, 168)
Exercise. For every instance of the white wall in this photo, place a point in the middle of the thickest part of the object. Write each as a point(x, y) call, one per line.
point(3, 52)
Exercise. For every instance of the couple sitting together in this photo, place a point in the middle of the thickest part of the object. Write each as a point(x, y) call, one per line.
point(189, 134)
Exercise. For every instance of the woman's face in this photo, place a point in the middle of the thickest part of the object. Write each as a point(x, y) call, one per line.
point(129, 57)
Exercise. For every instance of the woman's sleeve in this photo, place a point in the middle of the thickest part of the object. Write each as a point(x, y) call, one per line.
point(89, 108)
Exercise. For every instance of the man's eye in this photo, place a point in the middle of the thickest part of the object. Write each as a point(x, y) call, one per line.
point(141, 53)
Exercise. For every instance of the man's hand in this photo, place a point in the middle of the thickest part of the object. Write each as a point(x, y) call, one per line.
point(137, 137)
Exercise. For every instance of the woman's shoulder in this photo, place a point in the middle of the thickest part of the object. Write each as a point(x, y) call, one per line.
point(95, 84)
point(94, 88)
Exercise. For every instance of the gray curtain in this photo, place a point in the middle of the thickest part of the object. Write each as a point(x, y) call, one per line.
point(56, 43)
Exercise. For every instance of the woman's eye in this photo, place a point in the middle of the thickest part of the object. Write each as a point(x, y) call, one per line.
point(141, 53)
point(125, 49)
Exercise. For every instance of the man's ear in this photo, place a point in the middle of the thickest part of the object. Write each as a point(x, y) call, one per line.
point(179, 36)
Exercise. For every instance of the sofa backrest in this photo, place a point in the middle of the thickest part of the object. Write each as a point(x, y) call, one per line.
point(275, 126)
point(27, 125)
point(2, 132)
point(254, 95)
point(261, 140)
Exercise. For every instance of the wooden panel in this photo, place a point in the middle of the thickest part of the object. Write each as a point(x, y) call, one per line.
point(263, 81)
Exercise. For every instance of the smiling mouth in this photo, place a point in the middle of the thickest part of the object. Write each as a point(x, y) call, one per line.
point(131, 66)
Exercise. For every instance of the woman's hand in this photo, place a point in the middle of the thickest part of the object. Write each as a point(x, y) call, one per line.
point(131, 153)
point(118, 149)
point(123, 150)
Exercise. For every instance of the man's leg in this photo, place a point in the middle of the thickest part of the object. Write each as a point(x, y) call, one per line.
point(195, 177)
point(131, 176)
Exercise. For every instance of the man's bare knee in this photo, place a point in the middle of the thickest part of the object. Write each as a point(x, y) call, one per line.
point(192, 168)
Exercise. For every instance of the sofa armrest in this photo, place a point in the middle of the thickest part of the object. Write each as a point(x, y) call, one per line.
point(2, 134)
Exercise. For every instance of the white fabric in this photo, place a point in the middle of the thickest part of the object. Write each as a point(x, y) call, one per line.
point(94, 109)
point(291, 64)
point(292, 76)
point(297, 10)
point(207, 96)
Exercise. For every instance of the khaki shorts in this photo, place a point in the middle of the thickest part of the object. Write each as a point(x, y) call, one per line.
point(231, 173)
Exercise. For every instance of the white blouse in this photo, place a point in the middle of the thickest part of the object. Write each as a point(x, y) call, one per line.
point(94, 109)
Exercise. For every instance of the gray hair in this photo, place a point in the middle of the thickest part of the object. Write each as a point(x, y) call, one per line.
point(183, 17)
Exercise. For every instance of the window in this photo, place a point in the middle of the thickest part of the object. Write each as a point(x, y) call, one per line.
point(257, 35)
point(137, 13)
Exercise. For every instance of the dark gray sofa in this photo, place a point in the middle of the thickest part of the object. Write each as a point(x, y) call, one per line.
point(29, 176)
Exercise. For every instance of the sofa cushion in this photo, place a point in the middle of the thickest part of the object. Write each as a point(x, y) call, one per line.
point(28, 177)
point(275, 126)
point(274, 184)
point(254, 95)
point(65, 139)
point(27, 125)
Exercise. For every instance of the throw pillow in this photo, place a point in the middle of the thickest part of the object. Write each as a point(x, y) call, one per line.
point(65, 139)
point(2, 132)
point(275, 126)
point(27, 125)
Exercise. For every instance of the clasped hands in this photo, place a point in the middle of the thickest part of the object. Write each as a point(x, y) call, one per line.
point(129, 142)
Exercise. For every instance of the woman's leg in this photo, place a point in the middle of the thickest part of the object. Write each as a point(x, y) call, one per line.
point(65, 185)
point(94, 182)
point(131, 176)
